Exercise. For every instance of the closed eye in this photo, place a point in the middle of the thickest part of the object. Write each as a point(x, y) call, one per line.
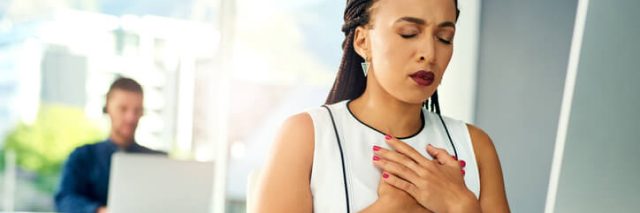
point(408, 36)
point(445, 41)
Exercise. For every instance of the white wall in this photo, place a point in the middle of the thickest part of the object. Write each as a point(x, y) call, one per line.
point(524, 49)
point(458, 90)
point(596, 166)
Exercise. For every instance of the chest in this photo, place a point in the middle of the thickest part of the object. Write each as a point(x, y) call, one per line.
point(350, 163)
point(362, 176)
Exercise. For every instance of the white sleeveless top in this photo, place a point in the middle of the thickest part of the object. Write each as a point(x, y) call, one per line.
point(357, 140)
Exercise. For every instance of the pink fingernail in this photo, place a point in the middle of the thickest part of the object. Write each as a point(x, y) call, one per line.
point(463, 163)
point(387, 137)
point(462, 171)
point(376, 158)
point(376, 148)
point(455, 157)
point(385, 175)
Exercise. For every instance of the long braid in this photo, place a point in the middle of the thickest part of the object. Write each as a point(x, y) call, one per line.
point(349, 83)
point(433, 103)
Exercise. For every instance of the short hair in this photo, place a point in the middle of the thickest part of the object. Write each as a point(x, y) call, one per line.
point(126, 84)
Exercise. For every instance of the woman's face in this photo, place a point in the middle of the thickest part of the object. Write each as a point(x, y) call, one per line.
point(409, 45)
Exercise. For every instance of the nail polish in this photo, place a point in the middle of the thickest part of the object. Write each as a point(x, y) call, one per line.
point(387, 137)
point(376, 148)
point(462, 171)
point(463, 163)
point(376, 158)
point(385, 175)
point(455, 157)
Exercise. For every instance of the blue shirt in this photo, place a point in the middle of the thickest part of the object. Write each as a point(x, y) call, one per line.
point(84, 182)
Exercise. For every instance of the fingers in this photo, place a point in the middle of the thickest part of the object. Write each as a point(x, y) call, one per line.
point(403, 168)
point(408, 163)
point(406, 150)
point(443, 157)
point(400, 183)
point(397, 157)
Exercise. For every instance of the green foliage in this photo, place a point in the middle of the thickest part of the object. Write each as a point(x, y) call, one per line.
point(42, 147)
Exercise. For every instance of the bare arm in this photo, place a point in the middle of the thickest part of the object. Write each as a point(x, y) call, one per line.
point(284, 184)
point(492, 194)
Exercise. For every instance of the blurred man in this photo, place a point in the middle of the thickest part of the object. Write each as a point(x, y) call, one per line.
point(85, 178)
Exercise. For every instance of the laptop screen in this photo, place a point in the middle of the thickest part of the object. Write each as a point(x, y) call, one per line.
point(150, 183)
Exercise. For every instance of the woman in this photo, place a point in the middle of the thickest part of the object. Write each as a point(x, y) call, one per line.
point(375, 147)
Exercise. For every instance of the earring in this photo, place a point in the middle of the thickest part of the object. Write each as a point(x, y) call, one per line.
point(365, 67)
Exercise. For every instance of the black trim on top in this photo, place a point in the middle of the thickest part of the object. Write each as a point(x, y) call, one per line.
point(344, 172)
point(370, 127)
point(455, 152)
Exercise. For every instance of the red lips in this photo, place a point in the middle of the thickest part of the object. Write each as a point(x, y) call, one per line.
point(423, 78)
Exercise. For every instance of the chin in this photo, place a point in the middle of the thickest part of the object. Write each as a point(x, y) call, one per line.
point(126, 134)
point(414, 97)
point(417, 100)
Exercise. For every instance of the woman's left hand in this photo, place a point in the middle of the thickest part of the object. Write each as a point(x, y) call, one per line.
point(436, 184)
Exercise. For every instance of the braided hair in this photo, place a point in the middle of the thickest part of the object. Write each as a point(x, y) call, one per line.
point(350, 83)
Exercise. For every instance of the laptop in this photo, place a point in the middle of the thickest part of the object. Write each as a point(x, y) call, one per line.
point(141, 183)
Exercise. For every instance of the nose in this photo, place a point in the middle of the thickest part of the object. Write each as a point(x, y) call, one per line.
point(427, 51)
point(131, 116)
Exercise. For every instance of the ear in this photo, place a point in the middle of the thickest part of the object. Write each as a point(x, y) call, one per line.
point(361, 42)
point(105, 108)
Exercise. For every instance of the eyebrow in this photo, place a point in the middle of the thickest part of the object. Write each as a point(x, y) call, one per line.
point(423, 22)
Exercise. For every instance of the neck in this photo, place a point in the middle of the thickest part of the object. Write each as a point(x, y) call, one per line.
point(119, 141)
point(385, 113)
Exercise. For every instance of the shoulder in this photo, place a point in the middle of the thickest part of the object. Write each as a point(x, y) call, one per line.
point(298, 126)
point(482, 145)
point(82, 155)
point(83, 151)
point(323, 114)
point(284, 182)
point(479, 138)
point(295, 141)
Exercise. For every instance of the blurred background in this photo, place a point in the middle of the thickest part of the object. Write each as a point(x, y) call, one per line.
point(58, 58)
point(221, 75)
